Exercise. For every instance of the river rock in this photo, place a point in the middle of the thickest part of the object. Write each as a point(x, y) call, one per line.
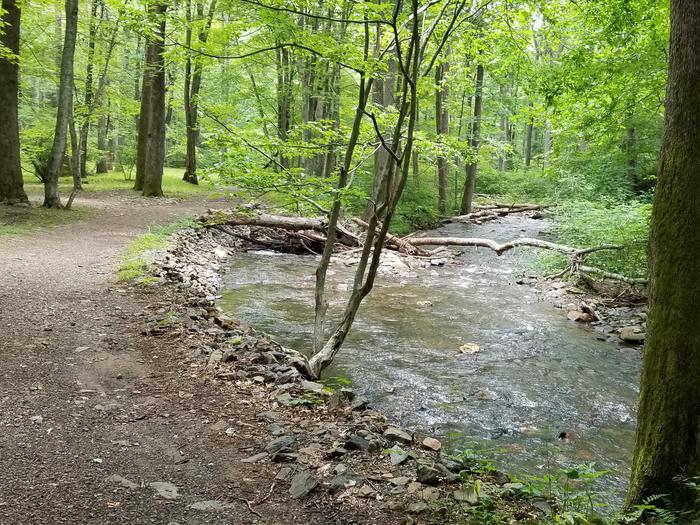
point(417, 507)
point(466, 495)
point(303, 483)
point(632, 334)
point(427, 474)
point(432, 443)
point(397, 455)
point(343, 480)
point(398, 434)
point(356, 442)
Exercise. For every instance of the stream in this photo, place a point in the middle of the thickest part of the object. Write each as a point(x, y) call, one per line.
point(535, 376)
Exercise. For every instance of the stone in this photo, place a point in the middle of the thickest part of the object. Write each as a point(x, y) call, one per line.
point(446, 473)
point(37, 419)
point(430, 494)
point(500, 478)
point(255, 458)
point(219, 425)
point(116, 479)
point(417, 507)
point(427, 474)
point(280, 444)
point(513, 486)
point(400, 481)
point(414, 487)
point(165, 490)
point(432, 443)
point(311, 386)
point(303, 483)
point(398, 434)
point(283, 474)
point(578, 316)
point(211, 505)
point(397, 455)
point(360, 403)
point(451, 465)
point(632, 334)
point(365, 491)
point(356, 442)
point(214, 359)
point(543, 506)
point(469, 348)
point(466, 495)
point(229, 355)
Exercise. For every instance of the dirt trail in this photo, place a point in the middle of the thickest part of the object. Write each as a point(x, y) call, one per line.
point(92, 412)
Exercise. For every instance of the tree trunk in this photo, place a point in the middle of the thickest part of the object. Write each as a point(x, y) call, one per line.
point(528, 138)
point(11, 185)
point(85, 127)
point(193, 84)
point(475, 142)
point(151, 139)
point(52, 198)
point(668, 427)
point(284, 101)
point(442, 120)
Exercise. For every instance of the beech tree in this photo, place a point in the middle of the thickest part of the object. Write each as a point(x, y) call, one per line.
point(668, 429)
point(11, 185)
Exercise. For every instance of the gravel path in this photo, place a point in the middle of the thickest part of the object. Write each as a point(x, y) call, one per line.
point(100, 424)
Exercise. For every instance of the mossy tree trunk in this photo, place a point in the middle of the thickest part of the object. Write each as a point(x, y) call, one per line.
point(668, 428)
point(11, 185)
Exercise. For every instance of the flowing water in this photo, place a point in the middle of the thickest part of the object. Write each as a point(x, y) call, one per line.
point(536, 374)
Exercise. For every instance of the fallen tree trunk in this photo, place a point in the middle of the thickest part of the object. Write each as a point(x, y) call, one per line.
point(489, 212)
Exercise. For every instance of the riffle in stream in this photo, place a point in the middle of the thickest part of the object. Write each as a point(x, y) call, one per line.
point(536, 375)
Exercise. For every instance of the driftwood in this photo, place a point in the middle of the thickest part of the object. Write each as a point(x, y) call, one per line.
point(312, 231)
point(490, 212)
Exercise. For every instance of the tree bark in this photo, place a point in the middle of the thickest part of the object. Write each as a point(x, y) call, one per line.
point(193, 83)
point(284, 101)
point(668, 426)
point(11, 183)
point(528, 138)
point(151, 140)
point(442, 123)
point(52, 197)
point(475, 143)
point(85, 126)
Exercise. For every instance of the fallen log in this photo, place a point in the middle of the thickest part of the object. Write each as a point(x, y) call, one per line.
point(397, 242)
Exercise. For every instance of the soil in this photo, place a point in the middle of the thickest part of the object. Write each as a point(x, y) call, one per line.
point(93, 412)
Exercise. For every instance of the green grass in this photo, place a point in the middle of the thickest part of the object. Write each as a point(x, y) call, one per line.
point(173, 185)
point(139, 254)
point(19, 221)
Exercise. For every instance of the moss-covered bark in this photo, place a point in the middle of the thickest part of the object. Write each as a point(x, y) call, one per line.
point(668, 431)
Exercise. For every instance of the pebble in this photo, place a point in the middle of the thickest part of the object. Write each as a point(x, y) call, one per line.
point(165, 489)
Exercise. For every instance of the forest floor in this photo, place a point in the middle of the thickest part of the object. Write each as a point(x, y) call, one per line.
point(102, 425)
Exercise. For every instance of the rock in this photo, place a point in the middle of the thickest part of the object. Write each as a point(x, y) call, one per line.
point(513, 486)
point(310, 386)
point(427, 474)
point(165, 489)
point(397, 455)
point(356, 442)
point(283, 474)
point(466, 495)
point(269, 416)
point(447, 474)
point(400, 481)
point(632, 334)
point(37, 419)
point(417, 507)
point(360, 403)
point(255, 458)
point(303, 483)
point(229, 355)
point(451, 465)
point(215, 358)
point(543, 506)
point(500, 478)
point(469, 348)
point(578, 316)
point(432, 443)
point(344, 480)
point(116, 479)
point(398, 434)
point(366, 491)
point(211, 505)
point(414, 487)
point(280, 444)
point(430, 494)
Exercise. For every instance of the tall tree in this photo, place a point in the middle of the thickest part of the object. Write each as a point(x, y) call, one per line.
point(11, 185)
point(193, 83)
point(89, 73)
point(668, 427)
point(442, 124)
point(64, 113)
point(474, 142)
point(151, 137)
